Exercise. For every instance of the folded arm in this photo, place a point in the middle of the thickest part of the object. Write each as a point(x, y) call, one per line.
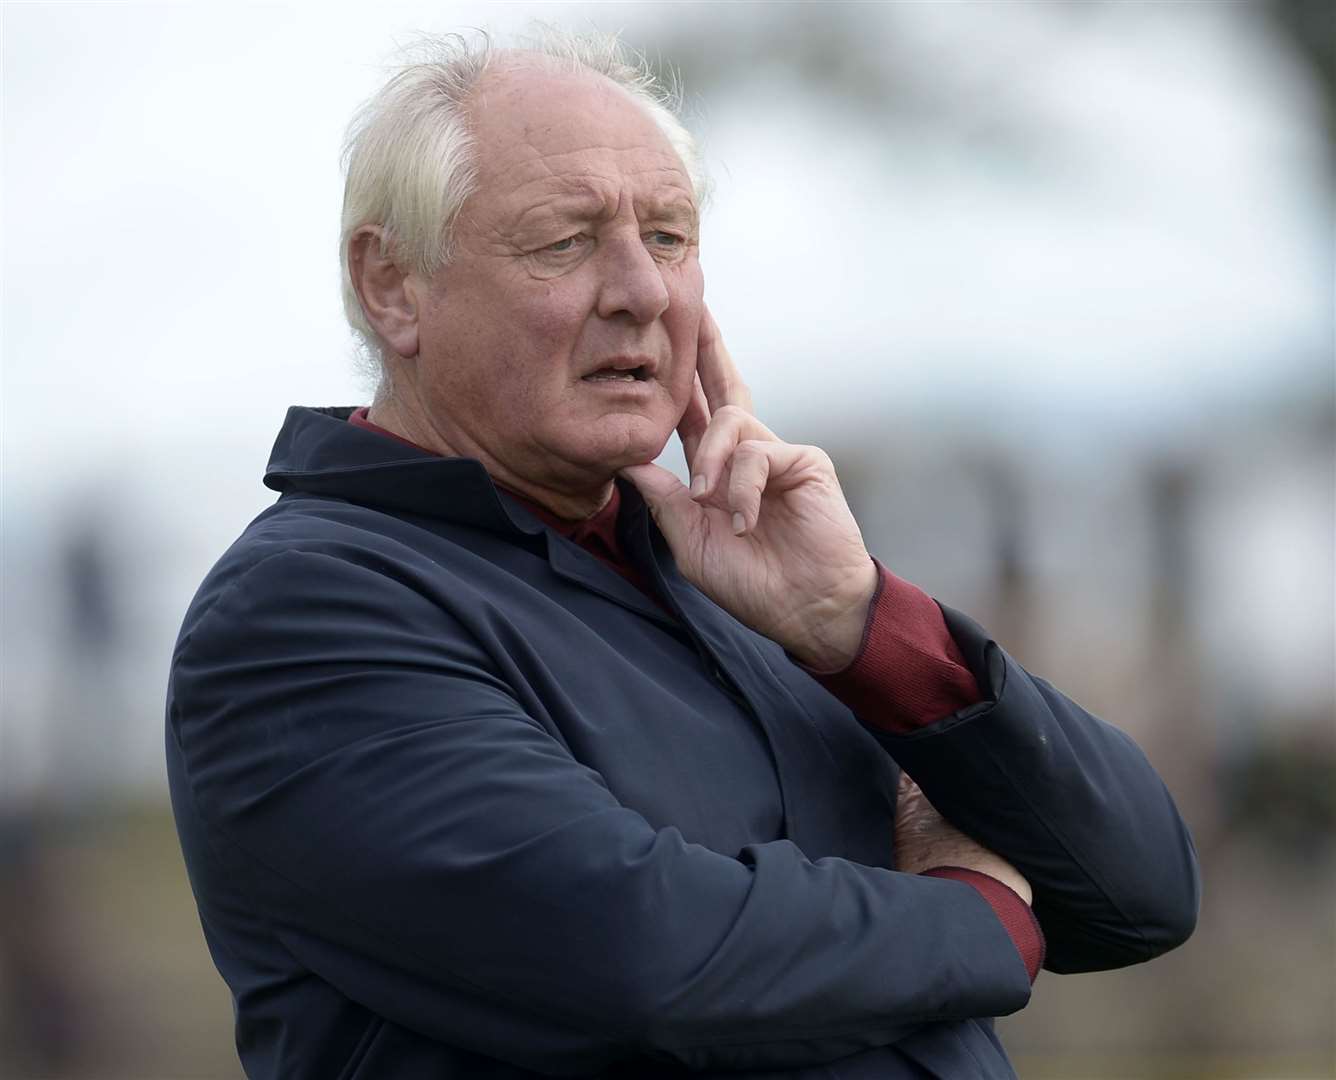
point(1068, 799)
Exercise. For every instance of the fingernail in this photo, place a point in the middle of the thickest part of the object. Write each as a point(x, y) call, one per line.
point(697, 486)
point(739, 523)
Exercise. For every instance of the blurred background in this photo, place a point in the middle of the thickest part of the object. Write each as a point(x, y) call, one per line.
point(1053, 282)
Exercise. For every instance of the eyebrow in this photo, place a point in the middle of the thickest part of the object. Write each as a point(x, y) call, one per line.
point(676, 209)
point(571, 204)
point(578, 203)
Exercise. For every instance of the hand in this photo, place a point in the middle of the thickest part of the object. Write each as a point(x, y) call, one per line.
point(924, 839)
point(765, 530)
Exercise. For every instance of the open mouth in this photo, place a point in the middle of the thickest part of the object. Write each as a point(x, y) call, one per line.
point(611, 374)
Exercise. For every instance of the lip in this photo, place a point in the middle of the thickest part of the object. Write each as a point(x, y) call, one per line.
point(647, 366)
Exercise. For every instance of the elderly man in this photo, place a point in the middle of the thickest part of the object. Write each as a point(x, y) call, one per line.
point(495, 750)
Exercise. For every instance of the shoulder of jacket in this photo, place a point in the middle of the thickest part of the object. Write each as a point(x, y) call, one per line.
point(311, 546)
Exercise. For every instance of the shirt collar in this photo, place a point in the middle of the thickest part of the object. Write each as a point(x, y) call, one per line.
point(599, 528)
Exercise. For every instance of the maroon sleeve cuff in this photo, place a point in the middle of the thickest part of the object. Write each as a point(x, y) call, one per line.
point(1015, 914)
point(909, 672)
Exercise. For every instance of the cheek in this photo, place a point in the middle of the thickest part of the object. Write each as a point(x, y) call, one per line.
point(686, 291)
point(686, 283)
point(683, 381)
point(553, 313)
point(683, 318)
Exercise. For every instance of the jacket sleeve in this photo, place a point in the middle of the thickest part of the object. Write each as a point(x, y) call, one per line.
point(427, 848)
point(1071, 801)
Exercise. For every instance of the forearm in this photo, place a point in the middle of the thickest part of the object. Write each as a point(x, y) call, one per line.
point(906, 674)
point(1070, 801)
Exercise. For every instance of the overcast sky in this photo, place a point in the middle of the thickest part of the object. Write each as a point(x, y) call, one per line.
point(172, 193)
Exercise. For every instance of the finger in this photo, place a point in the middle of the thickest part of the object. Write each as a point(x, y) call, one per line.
point(748, 472)
point(693, 423)
point(719, 376)
point(728, 427)
point(668, 500)
point(909, 795)
point(760, 464)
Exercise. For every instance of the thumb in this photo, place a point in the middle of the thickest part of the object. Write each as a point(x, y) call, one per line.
point(667, 497)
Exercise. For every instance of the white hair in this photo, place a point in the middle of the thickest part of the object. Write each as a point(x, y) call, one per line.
point(411, 162)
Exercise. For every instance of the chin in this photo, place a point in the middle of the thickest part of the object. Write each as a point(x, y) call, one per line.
point(625, 440)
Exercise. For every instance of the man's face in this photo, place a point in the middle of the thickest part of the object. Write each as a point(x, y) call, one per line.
point(560, 340)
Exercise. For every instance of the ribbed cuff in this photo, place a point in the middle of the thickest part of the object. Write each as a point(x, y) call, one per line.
point(1014, 913)
point(908, 672)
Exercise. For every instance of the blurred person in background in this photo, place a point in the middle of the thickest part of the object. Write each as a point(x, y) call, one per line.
point(496, 750)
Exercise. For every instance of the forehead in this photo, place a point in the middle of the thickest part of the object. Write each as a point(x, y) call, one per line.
point(545, 135)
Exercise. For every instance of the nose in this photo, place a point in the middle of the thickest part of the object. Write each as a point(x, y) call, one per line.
point(631, 283)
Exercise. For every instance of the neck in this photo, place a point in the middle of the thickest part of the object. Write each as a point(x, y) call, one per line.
point(572, 504)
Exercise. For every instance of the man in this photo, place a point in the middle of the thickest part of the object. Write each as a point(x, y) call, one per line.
point(480, 771)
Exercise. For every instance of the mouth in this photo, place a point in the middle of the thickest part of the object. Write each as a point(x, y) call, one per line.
point(625, 368)
point(613, 373)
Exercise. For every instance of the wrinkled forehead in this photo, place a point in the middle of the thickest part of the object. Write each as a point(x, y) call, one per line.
point(532, 119)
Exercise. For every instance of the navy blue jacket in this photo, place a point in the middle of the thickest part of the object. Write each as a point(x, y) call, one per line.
point(457, 800)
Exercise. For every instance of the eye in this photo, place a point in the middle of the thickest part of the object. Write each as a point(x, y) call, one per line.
point(665, 239)
point(566, 244)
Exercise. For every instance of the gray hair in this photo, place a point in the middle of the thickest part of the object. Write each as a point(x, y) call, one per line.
point(410, 159)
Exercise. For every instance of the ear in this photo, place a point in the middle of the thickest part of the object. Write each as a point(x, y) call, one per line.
point(389, 303)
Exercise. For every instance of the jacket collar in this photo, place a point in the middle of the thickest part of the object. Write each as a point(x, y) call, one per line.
point(318, 452)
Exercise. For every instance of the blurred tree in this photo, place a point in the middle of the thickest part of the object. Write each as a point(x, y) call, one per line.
point(872, 60)
point(1309, 28)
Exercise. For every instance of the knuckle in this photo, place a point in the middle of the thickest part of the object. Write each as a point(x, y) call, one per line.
point(820, 458)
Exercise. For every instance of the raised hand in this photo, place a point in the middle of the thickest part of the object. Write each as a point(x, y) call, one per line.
point(764, 529)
